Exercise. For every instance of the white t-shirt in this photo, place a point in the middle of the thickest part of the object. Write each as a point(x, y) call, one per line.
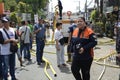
point(26, 35)
point(58, 35)
point(5, 48)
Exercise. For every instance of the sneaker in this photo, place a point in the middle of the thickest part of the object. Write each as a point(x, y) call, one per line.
point(58, 65)
point(42, 61)
point(22, 65)
point(30, 60)
point(25, 59)
point(16, 79)
point(38, 63)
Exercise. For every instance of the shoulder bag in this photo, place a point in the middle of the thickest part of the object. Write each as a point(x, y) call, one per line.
point(13, 46)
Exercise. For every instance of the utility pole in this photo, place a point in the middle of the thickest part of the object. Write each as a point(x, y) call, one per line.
point(86, 10)
point(101, 6)
point(79, 6)
point(97, 2)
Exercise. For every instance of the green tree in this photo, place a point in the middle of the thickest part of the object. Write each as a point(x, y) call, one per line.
point(10, 5)
point(1, 0)
point(13, 17)
point(99, 28)
point(99, 21)
point(21, 7)
point(94, 16)
point(36, 5)
point(26, 6)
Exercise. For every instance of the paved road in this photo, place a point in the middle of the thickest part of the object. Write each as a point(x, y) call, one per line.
point(34, 72)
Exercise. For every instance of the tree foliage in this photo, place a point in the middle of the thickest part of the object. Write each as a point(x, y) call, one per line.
point(21, 7)
point(13, 17)
point(94, 15)
point(1, 1)
point(36, 5)
point(10, 5)
point(25, 6)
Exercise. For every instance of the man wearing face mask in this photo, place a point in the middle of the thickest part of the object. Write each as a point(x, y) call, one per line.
point(83, 40)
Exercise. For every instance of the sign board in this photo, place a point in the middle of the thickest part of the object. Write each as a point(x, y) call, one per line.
point(28, 16)
point(36, 18)
point(23, 16)
point(109, 9)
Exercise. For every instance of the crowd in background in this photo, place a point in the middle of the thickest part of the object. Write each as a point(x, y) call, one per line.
point(22, 34)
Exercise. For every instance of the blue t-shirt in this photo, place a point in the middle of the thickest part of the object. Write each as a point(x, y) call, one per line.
point(41, 33)
point(71, 28)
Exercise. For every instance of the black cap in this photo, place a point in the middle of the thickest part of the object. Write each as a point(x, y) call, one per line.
point(5, 19)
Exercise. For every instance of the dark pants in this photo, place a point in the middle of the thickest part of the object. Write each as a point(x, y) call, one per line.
point(25, 47)
point(39, 49)
point(60, 13)
point(1, 68)
point(84, 66)
point(30, 43)
point(8, 64)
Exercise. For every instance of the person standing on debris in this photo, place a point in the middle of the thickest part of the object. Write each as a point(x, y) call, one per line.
point(60, 9)
point(83, 39)
point(59, 45)
point(40, 31)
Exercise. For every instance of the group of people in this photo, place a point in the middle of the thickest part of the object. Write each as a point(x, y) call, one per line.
point(23, 35)
point(81, 42)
